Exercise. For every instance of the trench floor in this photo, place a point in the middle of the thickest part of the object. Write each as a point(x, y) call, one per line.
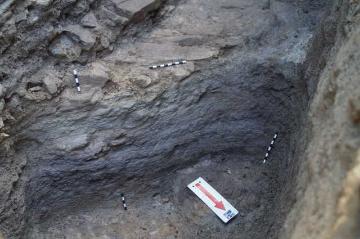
point(170, 210)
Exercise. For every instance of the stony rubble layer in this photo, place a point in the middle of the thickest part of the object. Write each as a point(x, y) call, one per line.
point(41, 34)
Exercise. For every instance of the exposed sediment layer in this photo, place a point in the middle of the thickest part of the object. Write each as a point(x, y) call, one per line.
point(253, 69)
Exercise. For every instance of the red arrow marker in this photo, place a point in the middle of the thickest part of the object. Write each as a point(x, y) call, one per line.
point(218, 204)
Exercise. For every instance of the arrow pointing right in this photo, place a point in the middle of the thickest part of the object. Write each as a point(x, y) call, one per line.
point(218, 204)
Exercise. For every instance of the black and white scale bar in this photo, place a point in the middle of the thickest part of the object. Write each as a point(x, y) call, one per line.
point(270, 148)
point(123, 201)
point(168, 64)
point(77, 80)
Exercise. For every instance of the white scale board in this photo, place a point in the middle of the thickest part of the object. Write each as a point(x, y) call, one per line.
point(217, 203)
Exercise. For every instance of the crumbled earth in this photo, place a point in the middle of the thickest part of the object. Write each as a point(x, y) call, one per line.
point(253, 68)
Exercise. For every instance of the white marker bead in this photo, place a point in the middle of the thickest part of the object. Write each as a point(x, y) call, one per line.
point(76, 80)
point(168, 64)
point(270, 147)
point(123, 201)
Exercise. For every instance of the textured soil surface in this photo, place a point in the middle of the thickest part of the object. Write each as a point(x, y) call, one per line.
point(213, 117)
point(253, 68)
point(171, 211)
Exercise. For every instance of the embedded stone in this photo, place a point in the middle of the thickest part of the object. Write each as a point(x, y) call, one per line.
point(64, 47)
point(82, 36)
point(89, 20)
point(137, 8)
point(51, 83)
point(142, 81)
point(96, 75)
point(73, 142)
point(41, 2)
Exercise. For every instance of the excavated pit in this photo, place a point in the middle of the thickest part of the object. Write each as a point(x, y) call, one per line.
point(221, 133)
point(148, 133)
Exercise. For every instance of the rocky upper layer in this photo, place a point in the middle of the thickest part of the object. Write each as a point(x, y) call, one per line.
point(37, 34)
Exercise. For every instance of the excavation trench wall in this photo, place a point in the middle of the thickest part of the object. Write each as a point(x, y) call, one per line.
point(200, 116)
point(326, 148)
point(145, 132)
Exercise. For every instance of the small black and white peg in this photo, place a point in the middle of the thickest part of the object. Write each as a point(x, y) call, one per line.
point(123, 201)
point(168, 64)
point(77, 80)
point(270, 148)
